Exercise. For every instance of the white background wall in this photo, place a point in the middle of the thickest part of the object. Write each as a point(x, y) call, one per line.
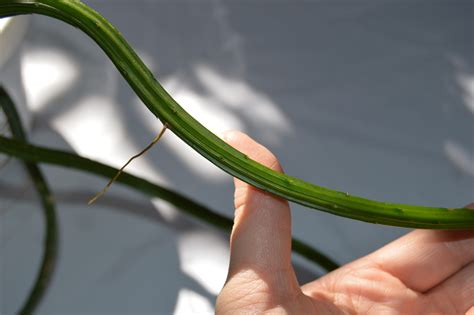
point(371, 97)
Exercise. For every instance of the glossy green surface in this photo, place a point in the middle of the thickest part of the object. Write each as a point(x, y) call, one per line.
point(160, 103)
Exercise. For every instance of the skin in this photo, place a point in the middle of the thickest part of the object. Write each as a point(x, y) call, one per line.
point(423, 272)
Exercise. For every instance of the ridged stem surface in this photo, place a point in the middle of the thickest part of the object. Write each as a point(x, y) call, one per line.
point(163, 106)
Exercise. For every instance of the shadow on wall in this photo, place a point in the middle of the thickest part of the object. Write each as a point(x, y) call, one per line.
point(365, 96)
point(459, 147)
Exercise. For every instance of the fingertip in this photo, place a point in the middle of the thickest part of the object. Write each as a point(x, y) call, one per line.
point(231, 136)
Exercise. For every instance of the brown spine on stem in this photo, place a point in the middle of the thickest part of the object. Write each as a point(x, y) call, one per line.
point(111, 181)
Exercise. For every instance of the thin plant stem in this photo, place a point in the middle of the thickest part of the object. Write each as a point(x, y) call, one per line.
point(34, 153)
point(51, 239)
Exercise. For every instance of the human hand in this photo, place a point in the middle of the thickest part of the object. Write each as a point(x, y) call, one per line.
point(423, 272)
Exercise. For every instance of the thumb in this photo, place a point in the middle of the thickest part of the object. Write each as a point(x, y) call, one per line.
point(261, 237)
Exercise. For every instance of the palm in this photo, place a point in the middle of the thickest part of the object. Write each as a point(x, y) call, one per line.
point(370, 290)
point(424, 272)
point(389, 281)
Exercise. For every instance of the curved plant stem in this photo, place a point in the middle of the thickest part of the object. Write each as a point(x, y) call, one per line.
point(49, 258)
point(162, 105)
point(33, 153)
